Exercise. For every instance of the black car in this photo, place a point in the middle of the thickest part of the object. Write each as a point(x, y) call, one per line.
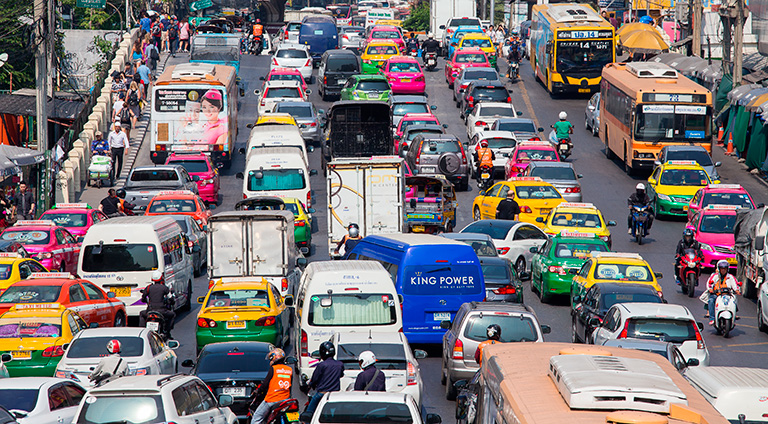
point(335, 68)
point(591, 308)
point(483, 91)
point(232, 368)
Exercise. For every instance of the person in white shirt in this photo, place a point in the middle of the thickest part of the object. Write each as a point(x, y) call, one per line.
point(719, 282)
point(112, 365)
point(118, 142)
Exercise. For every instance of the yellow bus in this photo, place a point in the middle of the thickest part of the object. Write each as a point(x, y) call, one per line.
point(570, 44)
point(645, 106)
point(525, 383)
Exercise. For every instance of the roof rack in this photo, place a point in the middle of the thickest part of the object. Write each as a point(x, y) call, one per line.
point(169, 378)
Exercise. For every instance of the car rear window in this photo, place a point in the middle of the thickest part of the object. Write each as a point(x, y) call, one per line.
point(501, 142)
point(381, 50)
point(389, 356)
point(192, 165)
point(435, 147)
point(155, 175)
point(524, 155)
point(553, 173)
point(67, 219)
point(623, 272)
point(226, 362)
point(470, 58)
point(135, 409)
point(496, 272)
point(172, 206)
point(577, 250)
point(296, 111)
point(388, 35)
point(27, 236)
point(284, 92)
point(400, 109)
point(414, 134)
point(496, 111)
point(238, 298)
point(457, 22)
point(537, 192)
point(514, 328)
point(717, 224)
point(23, 327)
point(359, 309)
point(404, 67)
point(341, 64)
point(664, 329)
point(477, 42)
point(292, 54)
point(610, 299)
point(496, 231)
point(372, 86)
point(21, 399)
point(368, 412)
point(516, 126)
point(493, 94)
point(284, 77)
point(480, 74)
point(95, 347)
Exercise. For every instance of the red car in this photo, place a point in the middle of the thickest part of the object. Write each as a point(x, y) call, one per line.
point(201, 165)
point(464, 58)
point(92, 303)
point(413, 119)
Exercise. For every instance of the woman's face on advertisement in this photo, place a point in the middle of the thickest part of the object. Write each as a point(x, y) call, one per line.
point(210, 111)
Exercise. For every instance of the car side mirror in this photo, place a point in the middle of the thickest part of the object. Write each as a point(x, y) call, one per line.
point(539, 219)
point(111, 295)
point(700, 326)
point(590, 107)
point(188, 363)
point(548, 47)
point(201, 299)
point(312, 172)
point(540, 129)
point(460, 384)
point(651, 180)
point(442, 27)
point(594, 322)
point(291, 360)
point(445, 125)
point(573, 271)
point(257, 92)
point(692, 362)
point(759, 243)
point(545, 329)
point(306, 417)
point(433, 107)
point(525, 276)
point(579, 176)
point(311, 210)
point(240, 176)
point(315, 354)
point(93, 325)
point(657, 163)
point(658, 275)
point(301, 261)
point(311, 149)
point(433, 419)
point(611, 223)
point(576, 299)
point(419, 354)
point(6, 357)
point(308, 92)
point(241, 150)
point(261, 78)
point(249, 126)
point(519, 113)
point(760, 205)
point(718, 164)
point(288, 299)
point(173, 344)
point(534, 250)
point(195, 178)
point(445, 325)
point(225, 400)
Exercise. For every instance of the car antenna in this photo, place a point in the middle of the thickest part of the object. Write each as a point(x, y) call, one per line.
point(370, 333)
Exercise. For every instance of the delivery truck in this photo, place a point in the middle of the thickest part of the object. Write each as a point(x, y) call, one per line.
point(440, 11)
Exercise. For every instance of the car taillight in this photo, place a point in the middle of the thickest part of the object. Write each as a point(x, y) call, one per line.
point(53, 352)
point(325, 80)
point(411, 374)
point(309, 198)
point(463, 154)
point(623, 334)
point(502, 250)
point(418, 157)
point(265, 322)
point(506, 290)
point(534, 139)
point(480, 123)
point(286, 36)
point(245, 196)
point(458, 350)
point(298, 223)
point(509, 99)
point(576, 189)
point(284, 284)
point(304, 348)
point(556, 270)
point(525, 209)
point(203, 322)
point(274, 62)
point(699, 340)
point(420, 78)
point(464, 86)
point(309, 62)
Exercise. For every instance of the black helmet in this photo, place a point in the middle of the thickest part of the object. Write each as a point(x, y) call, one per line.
point(121, 193)
point(327, 350)
point(493, 332)
point(687, 233)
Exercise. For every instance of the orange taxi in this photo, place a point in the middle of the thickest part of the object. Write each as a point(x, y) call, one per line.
point(179, 202)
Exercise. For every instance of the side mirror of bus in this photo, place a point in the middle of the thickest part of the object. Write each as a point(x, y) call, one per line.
point(548, 47)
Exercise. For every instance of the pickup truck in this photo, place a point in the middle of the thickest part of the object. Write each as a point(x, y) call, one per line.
point(144, 182)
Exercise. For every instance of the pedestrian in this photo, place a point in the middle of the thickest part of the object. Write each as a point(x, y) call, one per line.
point(24, 203)
point(128, 73)
point(132, 97)
point(144, 71)
point(118, 142)
point(154, 57)
point(124, 115)
point(118, 85)
point(184, 35)
point(136, 53)
point(173, 36)
point(157, 32)
point(117, 107)
point(165, 24)
point(508, 208)
point(145, 22)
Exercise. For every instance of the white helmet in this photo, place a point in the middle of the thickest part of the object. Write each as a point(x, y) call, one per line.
point(640, 186)
point(366, 359)
point(563, 116)
point(431, 36)
point(157, 276)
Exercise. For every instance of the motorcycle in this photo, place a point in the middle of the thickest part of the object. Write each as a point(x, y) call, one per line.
point(431, 59)
point(486, 178)
point(689, 271)
point(564, 148)
point(640, 217)
point(514, 71)
point(286, 412)
point(256, 44)
point(156, 319)
point(725, 313)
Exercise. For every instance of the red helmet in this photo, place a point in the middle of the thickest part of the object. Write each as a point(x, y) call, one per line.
point(113, 346)
point(484, 143)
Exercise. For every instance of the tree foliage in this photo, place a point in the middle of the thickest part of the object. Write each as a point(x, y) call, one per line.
point(419, 18)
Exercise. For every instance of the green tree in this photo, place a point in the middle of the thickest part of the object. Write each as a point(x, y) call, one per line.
point(17, 39)
point(419, 18)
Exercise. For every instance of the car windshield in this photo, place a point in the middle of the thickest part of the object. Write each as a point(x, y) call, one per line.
point(119, 257)
point(495, 230)
point(514, 328)
point(482, 247)
point(238, 298)
point(700, 156)
point(94, 347)
point(20, 399)
point(155, 175)
point(610, 299)
point(664, 329)
point(470, 58)
point(684, 177)
point(389, 35)
point(480, 74)
point(296, 111)
point(553, 173)
point(67, 219)
point(739, 199)
point(496, 111)
point(366, 412)
point(21, 327)
point(276, 179)
point(285, 77)
point(495, 94)
point(372, 86)
point(717, 224)
point(400, 109)
point(623, 272)
point(381, 50)
point(404, 67)
point(192, 165)
point(128, 409)
point(292, 54)
point(389, 356)
point(496, 272)
point(577, 219)
point(285, 92)
point(353, 30)
point(516, 127)
point(172, 206)
point(27, 236)
point(501, 142)
point(577, 250)
point(359, 309)
point(537, 192)
point(30, 294)
point(232, 362)
point(476, 42)
point(432, 147)
point(527, 155)
point(293, 208)
point(668, 123)
point(341, 65)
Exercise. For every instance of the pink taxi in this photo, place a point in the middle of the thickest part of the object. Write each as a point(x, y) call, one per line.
point(77, 218)
point(386, 33)
point(200, 164)
point(720, 194)
point(404, 74)
point(53, 246)
point(527, 151)
point(713, 228)
point(413, 119)
point(464, 58)
point(285, 74)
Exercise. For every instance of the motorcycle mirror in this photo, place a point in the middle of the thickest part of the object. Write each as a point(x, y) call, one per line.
point(594, 322)
point(225, 400)
point(315, 354)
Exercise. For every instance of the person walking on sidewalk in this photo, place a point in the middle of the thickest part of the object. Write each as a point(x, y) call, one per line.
point(24, 202)
point(184, 35)
point(144, 71)
point(173, 36)
point(118, 142)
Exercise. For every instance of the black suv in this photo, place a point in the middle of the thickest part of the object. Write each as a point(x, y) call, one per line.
point(483, 91)
point(336, 66)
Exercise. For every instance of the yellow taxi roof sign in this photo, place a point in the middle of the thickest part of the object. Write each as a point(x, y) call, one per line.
point(576, 205)
point(39, 275)
point(682, 162)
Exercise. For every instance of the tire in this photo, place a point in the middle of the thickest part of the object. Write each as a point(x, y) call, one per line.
point(761, 325)
point(476, 214)
point(638, 237)
point(188, 304)
point(586, 123)
point(520, 266)
point(543, 295)
point(450, 391)
point(442, 372)
point(574, 337)
point(120, 320)
point(691, 283)
point(727, 326)
point(608, 152)
point(595, 131)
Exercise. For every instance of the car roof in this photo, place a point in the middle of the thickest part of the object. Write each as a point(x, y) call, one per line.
point(281, 70)
point(240, 346)
point(494, 83)
point(402, 58)
point(680, 148)
point(467, 236)
point(656, 310)
point(235, 283)
point(355, 396)
point(138, 383)
point(471, 50)
point(495, 134)
point(187, 155)
point(550, 164)
point(419, 116)
point(30, 382)
point(155, 167)
point(113, 331)
point(624, 288)
point(501, 223)
point(281, 83)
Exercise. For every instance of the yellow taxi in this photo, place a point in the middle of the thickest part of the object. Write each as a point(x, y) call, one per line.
point(535, 197)
point(15, 268)
point(672, 185)
point(35, 334)
point(584, 217)
point(376, 53)
point(243, 309)
point(275, 118)
point(479, 41)
point(613, 267)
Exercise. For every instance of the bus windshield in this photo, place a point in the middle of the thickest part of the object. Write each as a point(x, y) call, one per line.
point(581, 56)
point(658, 123)
point(276, 179)
point(215, 48)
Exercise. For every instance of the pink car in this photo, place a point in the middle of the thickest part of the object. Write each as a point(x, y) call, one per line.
point(386, 33)
point(200, 164)
point(713, 229)
point(77, 218)
point(413, 119)
point(528, 151)
point(285, 74)
point(464, 58)
point(720, 194)
point(53, 246)
point(404, 74)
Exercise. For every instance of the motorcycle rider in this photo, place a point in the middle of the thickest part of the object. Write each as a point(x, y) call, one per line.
point(350, 240)
point(371, 379)
point(154, 296)
point(563, 128)
point(257, 30)
point(127, 207)
point(326, 377)
point(688, 242)
point(639, 198)
point(484, 156)
point(430, 45)
point(719, 282)
point(111, 365)
point(494, 336)
point(276, 386)
point(514, 55)
point(412, 44)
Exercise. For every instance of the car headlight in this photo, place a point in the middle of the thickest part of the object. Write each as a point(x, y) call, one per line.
point(44, 255)
point(355, 94)
point(705, 246)
point(664, 197)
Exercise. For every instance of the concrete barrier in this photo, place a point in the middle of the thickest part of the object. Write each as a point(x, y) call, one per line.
point(100, 111)
point(78, 151)
point(62, 188)
point(72, 163)
point(98, 124)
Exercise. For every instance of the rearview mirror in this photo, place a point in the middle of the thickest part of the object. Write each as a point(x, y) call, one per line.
point(433, 107)
point(308, 92)
point(304, 250)
point(301, 261)
point(261, 78)
point(579, 176)
point(188, 363)
point(291, 360)
point(225, 400)
point(445, 325)
point(419, 354)
point(524, 276)
point(651, 180)
point(201, 299)
point(311, 210)
point(519, 113)
point(288, 299)
point(692, 362)
point(658, 275)
point(195, 178)
point(257, 92)
point(534, 250)
point(445, 125)
point(481, 193)
point(545, 329)
point(242, 150)
point(249, 126)
point(611, 223)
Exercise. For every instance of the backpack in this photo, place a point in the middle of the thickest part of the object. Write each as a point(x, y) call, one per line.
point(173, 31)
point(156, 30)
point(133, 99)
point(125, 115)
point(153, 54)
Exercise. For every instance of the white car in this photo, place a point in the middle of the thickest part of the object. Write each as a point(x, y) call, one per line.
point(654, 321)
point(370, 407)
point(485, 114)
point(180, 399)
point(513, 240)
point(288, 34)
point(41, 400)
point(500, 142)
point(280, 91)
point(393, 357)
point(294, 56)
point(145, 352)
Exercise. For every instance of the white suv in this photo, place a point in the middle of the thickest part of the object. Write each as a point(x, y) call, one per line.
point(374, 407)
point(149, 399)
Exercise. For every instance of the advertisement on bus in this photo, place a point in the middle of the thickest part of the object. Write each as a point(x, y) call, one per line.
point(195, 118)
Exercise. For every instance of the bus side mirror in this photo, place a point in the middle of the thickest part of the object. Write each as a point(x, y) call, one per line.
point(548, 47)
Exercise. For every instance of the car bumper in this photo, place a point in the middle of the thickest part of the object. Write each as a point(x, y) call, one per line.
point(711, 259)
point(572, 197)
point(332, 90)
point(204, 337)
point(559, 87)
point(557, 284)
point(32, 367)
point(208, 192)
point(666, 207)
point(517, 297)
point(426, 336)
point(311, 133)
point(409, 88)
point(457, 178)
point(460, 370)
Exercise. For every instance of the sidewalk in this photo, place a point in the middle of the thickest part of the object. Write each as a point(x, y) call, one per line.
point(94, 195)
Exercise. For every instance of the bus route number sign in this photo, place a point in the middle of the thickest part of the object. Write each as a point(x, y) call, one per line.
point(594, 44)
point(584, 34)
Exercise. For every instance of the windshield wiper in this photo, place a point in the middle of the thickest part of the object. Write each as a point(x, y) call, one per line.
point(445, 268)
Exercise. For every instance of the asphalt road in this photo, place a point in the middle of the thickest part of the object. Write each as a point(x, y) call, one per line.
point(605, 184)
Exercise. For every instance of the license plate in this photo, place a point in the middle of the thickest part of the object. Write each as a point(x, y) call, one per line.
point(685, 208)
point(292, 416)
point(153, 326)
point(235, 325)
point(731, 261)
point(234, 391)
point(442, 316)
point(544, 211)
point(485, 175)
point(405, 80)
point(428, 170)
point(418, 228)
point(583, 90)
point(121, 291)
point(21, 355)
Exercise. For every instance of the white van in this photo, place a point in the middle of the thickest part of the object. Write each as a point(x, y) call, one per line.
point(277, 171)
point(276, 135)
point(344, 296)
point(120, 255)
point(732, 390)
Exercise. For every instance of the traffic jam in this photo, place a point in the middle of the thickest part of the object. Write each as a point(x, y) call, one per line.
point(326, 219)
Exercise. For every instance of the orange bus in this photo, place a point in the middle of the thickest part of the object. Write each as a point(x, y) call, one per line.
point(646, 106)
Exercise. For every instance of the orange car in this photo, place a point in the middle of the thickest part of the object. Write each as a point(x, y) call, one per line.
point(180, 202)
point(92, 303)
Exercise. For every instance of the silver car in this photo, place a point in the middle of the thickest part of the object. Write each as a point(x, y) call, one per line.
point(592, 114)
point(468, 75)
point(523, 128)
point(311, 121)
point(430, 154)
point(351, 37)
point(559, 174)
point(696, 153)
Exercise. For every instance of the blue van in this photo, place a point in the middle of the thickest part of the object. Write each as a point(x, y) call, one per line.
point(320, 34)
point(434, 276)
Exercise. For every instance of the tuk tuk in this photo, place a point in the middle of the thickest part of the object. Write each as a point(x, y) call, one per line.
point(430, 204)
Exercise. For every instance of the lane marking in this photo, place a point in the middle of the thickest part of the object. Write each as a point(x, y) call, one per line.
point(528, 104)
point(742, 344)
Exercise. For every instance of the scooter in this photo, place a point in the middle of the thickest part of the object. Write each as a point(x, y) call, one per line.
point(156, 320)
point(431, 59)
point(286, 412)
point(256, 44)
point(514, 71)
point(486, 178)
point(690, 270)
point(564, 148)
point(725, 313)
point(640, 217)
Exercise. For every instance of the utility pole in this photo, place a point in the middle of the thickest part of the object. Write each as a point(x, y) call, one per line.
point(493, 11)
point(41, 69)
point(697, 14)
point(738, 43)
point(732, 14)
point(127, 17)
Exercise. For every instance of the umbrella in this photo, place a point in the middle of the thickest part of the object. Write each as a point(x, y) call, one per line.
point(634, 26)
point(644, 42)
point(21, 156)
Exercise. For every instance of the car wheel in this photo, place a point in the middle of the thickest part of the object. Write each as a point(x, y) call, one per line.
point(760, 322)
point(520, 266)
point(119, 319)
point(450, 391)
point(595, 130)
point(574, 337)
point(543, 295)
point(476, 214)
point(442, 372)
point(188, 304)
point(586, 123)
